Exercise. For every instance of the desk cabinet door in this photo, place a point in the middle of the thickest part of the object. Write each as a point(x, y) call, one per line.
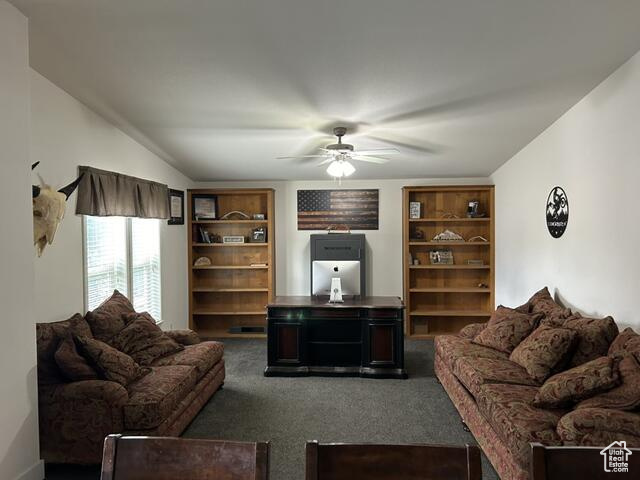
point(286, 343)
point(383, 346)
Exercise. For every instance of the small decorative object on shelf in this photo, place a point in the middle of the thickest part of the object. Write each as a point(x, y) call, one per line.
point(258, 235)
point(232, 239)
point(202, 262)
point(418, 235)
point(472, 209)
point(483, 285)
point(204, 236)
point(478, 239)
point(416, 261)
point(475, 262)
point(441, 257)
point(449, 215)
point(258, 216)
point(258, 264)
point(414, 209)
point(235, 213)
point(204, 207)
point(448, 236)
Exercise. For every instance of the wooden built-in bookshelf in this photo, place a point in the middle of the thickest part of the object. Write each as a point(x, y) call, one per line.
point(231, 292)
point(442, 299)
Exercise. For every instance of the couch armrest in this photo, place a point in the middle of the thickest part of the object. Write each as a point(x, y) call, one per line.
point(470, 331)
point(184, 337)
point(593, 426)
point(76, 417)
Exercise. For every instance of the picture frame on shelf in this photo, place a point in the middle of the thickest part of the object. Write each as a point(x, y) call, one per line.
point(176, 207)
point(258, 235)
point(415, 210)
point(441, 257)
point(204, 207)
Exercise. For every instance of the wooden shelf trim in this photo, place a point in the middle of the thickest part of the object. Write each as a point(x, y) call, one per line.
point(450, 267)
point(204, 289)
point(452, 220)
point(450, 290)
point(450, 313)
point(246, 244)
point(450, 244)
point(231, 267)
point(229, 222)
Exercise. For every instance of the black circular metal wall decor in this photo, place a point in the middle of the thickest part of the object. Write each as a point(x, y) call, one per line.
point(557, 212)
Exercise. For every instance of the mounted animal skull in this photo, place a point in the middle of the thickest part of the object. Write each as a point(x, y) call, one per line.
point(48, 210)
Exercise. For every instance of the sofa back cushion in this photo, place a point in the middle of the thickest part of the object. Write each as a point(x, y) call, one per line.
point(73, 366)
point(594, 337)
point(48, 337)
point(545, 351)
point(506, 329)
point(543, 302)
point(143, 340)
point(626, 396)
point(627, 341)
point(106, 319)
point(584, 381)
point(112, 364)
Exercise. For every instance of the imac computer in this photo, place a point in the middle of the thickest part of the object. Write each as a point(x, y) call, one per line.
point(348, 271)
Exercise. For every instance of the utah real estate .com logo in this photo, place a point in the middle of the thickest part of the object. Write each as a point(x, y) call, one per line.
point(616, 457)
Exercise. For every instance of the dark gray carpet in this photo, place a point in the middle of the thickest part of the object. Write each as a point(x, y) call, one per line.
point(289, 411)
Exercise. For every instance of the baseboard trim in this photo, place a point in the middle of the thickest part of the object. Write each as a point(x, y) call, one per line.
point(35, 472)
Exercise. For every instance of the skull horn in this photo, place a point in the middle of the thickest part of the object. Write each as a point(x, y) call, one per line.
point(34, 165)
point(35, 189)
point(69, 189)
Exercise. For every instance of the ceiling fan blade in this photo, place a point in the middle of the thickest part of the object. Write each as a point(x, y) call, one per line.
point(301, 156)
point(362, 158)
point(406, 143)
point(328, 160)
point(377, 151)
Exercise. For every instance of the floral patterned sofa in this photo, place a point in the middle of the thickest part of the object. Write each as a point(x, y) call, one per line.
point(158, 396)
point(501, 401)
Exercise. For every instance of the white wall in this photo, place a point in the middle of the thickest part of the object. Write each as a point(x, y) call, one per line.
point(384, 262)
point(593, 153)
point(19, 454)
point(65, 134)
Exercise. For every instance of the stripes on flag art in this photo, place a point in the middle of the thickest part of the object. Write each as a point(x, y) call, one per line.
point(337, 209)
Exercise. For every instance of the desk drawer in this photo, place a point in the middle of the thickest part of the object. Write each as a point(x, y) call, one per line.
point(334, 354)
point(330, 330)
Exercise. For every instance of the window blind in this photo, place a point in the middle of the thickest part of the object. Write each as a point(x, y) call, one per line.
point(145, 268)
point(106, 258)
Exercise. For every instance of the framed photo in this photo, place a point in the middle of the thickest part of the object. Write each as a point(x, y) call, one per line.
point(414, 209)
point(258, 235)
point(176, 207)
point(204, 207)
point(441, 257)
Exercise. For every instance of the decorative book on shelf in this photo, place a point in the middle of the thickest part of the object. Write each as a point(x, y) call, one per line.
point(231, 261)
point(448, 257)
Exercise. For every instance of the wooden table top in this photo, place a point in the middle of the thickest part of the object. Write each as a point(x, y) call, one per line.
point(322, 302)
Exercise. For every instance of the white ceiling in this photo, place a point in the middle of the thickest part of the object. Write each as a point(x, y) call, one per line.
point(221, 88)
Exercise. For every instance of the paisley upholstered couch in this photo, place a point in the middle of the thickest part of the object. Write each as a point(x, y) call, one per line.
point(162, 399)
point(499, 400)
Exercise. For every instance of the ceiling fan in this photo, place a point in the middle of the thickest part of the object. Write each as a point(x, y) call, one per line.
point(337, 155)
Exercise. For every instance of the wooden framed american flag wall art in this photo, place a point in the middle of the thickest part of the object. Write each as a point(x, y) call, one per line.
point(338, 209)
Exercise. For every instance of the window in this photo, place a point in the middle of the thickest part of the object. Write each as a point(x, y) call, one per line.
point(124, 254)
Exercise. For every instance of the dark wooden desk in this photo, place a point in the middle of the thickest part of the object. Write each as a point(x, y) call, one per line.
point(309, 336)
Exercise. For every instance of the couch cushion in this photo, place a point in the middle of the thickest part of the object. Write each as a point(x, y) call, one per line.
point(143, 340)
point(73, 365)
point(110, 363)
point(106, 319)
point(452, 347)
point(626, 341)
point(472, 330)
point(48, 337)
point(203, 356)
point(543, 302)
point(594, 336)
point(545, 351)
point(475, 372)
point(156, 395)
point(508, 410)
point(507, 328)
point(584, 381)
point(599, 427)
point(626, 396)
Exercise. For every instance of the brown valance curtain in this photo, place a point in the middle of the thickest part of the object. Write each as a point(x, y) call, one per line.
point(105, 194)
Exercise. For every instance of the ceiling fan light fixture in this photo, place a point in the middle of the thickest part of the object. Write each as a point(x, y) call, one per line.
point(340, 168)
